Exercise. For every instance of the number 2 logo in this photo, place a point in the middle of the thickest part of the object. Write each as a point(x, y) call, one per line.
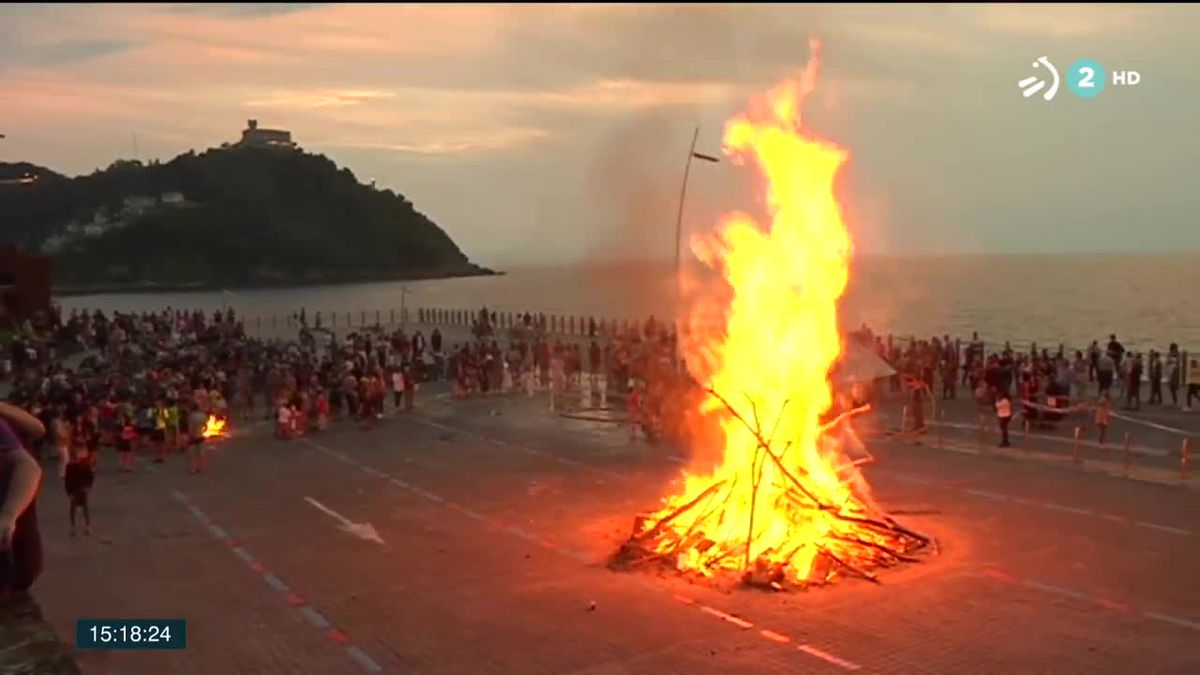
point(1086, 78)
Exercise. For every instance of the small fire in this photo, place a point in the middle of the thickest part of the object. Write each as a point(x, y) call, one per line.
point(213, 426)
point(784, 499)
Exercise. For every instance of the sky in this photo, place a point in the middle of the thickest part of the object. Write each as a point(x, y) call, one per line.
point(557, 134)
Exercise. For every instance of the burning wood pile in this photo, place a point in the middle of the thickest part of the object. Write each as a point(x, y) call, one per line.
point(783, 505)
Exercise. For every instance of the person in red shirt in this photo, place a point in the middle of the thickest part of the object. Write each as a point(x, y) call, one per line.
point(634, 409)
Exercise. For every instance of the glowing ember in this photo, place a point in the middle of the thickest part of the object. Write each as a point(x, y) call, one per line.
point(784, 501)
point(213, 426)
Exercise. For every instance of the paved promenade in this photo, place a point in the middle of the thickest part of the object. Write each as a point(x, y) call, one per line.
point(494, 518)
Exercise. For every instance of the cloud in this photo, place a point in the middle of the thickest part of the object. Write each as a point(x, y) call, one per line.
point(248, 9)
point(318, 99)
point(1064, 21)
point(61, 53)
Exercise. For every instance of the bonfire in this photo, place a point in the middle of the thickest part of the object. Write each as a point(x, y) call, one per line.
point(785, 504)
point(213, 426)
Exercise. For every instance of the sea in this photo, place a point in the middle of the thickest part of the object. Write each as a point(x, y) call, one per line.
point(1147, 300)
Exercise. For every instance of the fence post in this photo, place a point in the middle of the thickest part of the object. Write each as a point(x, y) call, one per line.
point(363, 318)
point(1183, 458)
point(391, 317)
point(1074, 452)
point(1127, 454)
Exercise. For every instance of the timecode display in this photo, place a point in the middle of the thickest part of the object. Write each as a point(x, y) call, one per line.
point(130, 634)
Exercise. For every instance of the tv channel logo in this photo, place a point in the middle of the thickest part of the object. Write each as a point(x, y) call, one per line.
point(1086, 78)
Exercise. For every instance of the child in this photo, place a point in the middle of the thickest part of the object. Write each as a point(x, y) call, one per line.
point(197, 420)
point(1103, 415)
point(283, 421)
point(322, 411)
point(78, 480)
point(126, 437)
point(398, 387)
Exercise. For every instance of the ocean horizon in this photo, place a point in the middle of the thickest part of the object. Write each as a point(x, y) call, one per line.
point(1069, 298)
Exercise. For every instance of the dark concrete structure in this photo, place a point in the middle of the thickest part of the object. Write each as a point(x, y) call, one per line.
point(25, 282)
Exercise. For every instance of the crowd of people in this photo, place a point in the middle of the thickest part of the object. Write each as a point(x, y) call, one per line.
point(1045, 385)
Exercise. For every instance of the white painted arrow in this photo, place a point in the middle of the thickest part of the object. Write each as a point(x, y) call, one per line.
point(361, 530)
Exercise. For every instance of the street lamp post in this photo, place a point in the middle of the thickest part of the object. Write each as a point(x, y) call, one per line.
point(687, 169)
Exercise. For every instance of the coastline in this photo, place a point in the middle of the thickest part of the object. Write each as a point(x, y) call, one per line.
point(345, 280)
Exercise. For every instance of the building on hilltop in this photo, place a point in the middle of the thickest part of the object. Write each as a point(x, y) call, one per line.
point(254, 137)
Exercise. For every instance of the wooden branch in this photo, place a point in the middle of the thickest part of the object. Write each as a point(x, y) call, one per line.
point(682, 509)
point(825, 428)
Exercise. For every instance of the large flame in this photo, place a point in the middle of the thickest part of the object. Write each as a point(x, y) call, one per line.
point(770, 364)
point(213, 426)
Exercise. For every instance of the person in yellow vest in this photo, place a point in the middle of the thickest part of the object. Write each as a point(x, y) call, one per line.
point(1004, 414)
point(161, 419)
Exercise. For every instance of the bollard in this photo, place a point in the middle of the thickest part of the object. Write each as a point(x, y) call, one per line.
point(903, 419)
point(362, 318)
point(1183, 458)
point(1127, 454)
point(1026, 425)
point(391, 316)
point(349, 323)
point(1075, 449)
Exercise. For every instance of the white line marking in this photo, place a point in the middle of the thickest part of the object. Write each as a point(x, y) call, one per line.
point(275, 582)
point(1183, 623)
point(218, 531)
point(243, 554)
point(363, 658)
point(826, 656)
point(741, 623)
point(1166, 528)
point(1068, 509)
point(1057, 590)
point(315, 617)
point(984, 493)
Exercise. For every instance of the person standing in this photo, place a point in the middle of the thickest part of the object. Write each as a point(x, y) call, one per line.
point(1004, 414)
point(1105, 368)
point(197, 419)
point(1193, 383)
point(1133, 383)
point(1156, 378)
point(1174, 372)
point(1093, 360)
point(78, 480)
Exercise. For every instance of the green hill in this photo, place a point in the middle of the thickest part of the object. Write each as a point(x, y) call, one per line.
point(237, 216)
